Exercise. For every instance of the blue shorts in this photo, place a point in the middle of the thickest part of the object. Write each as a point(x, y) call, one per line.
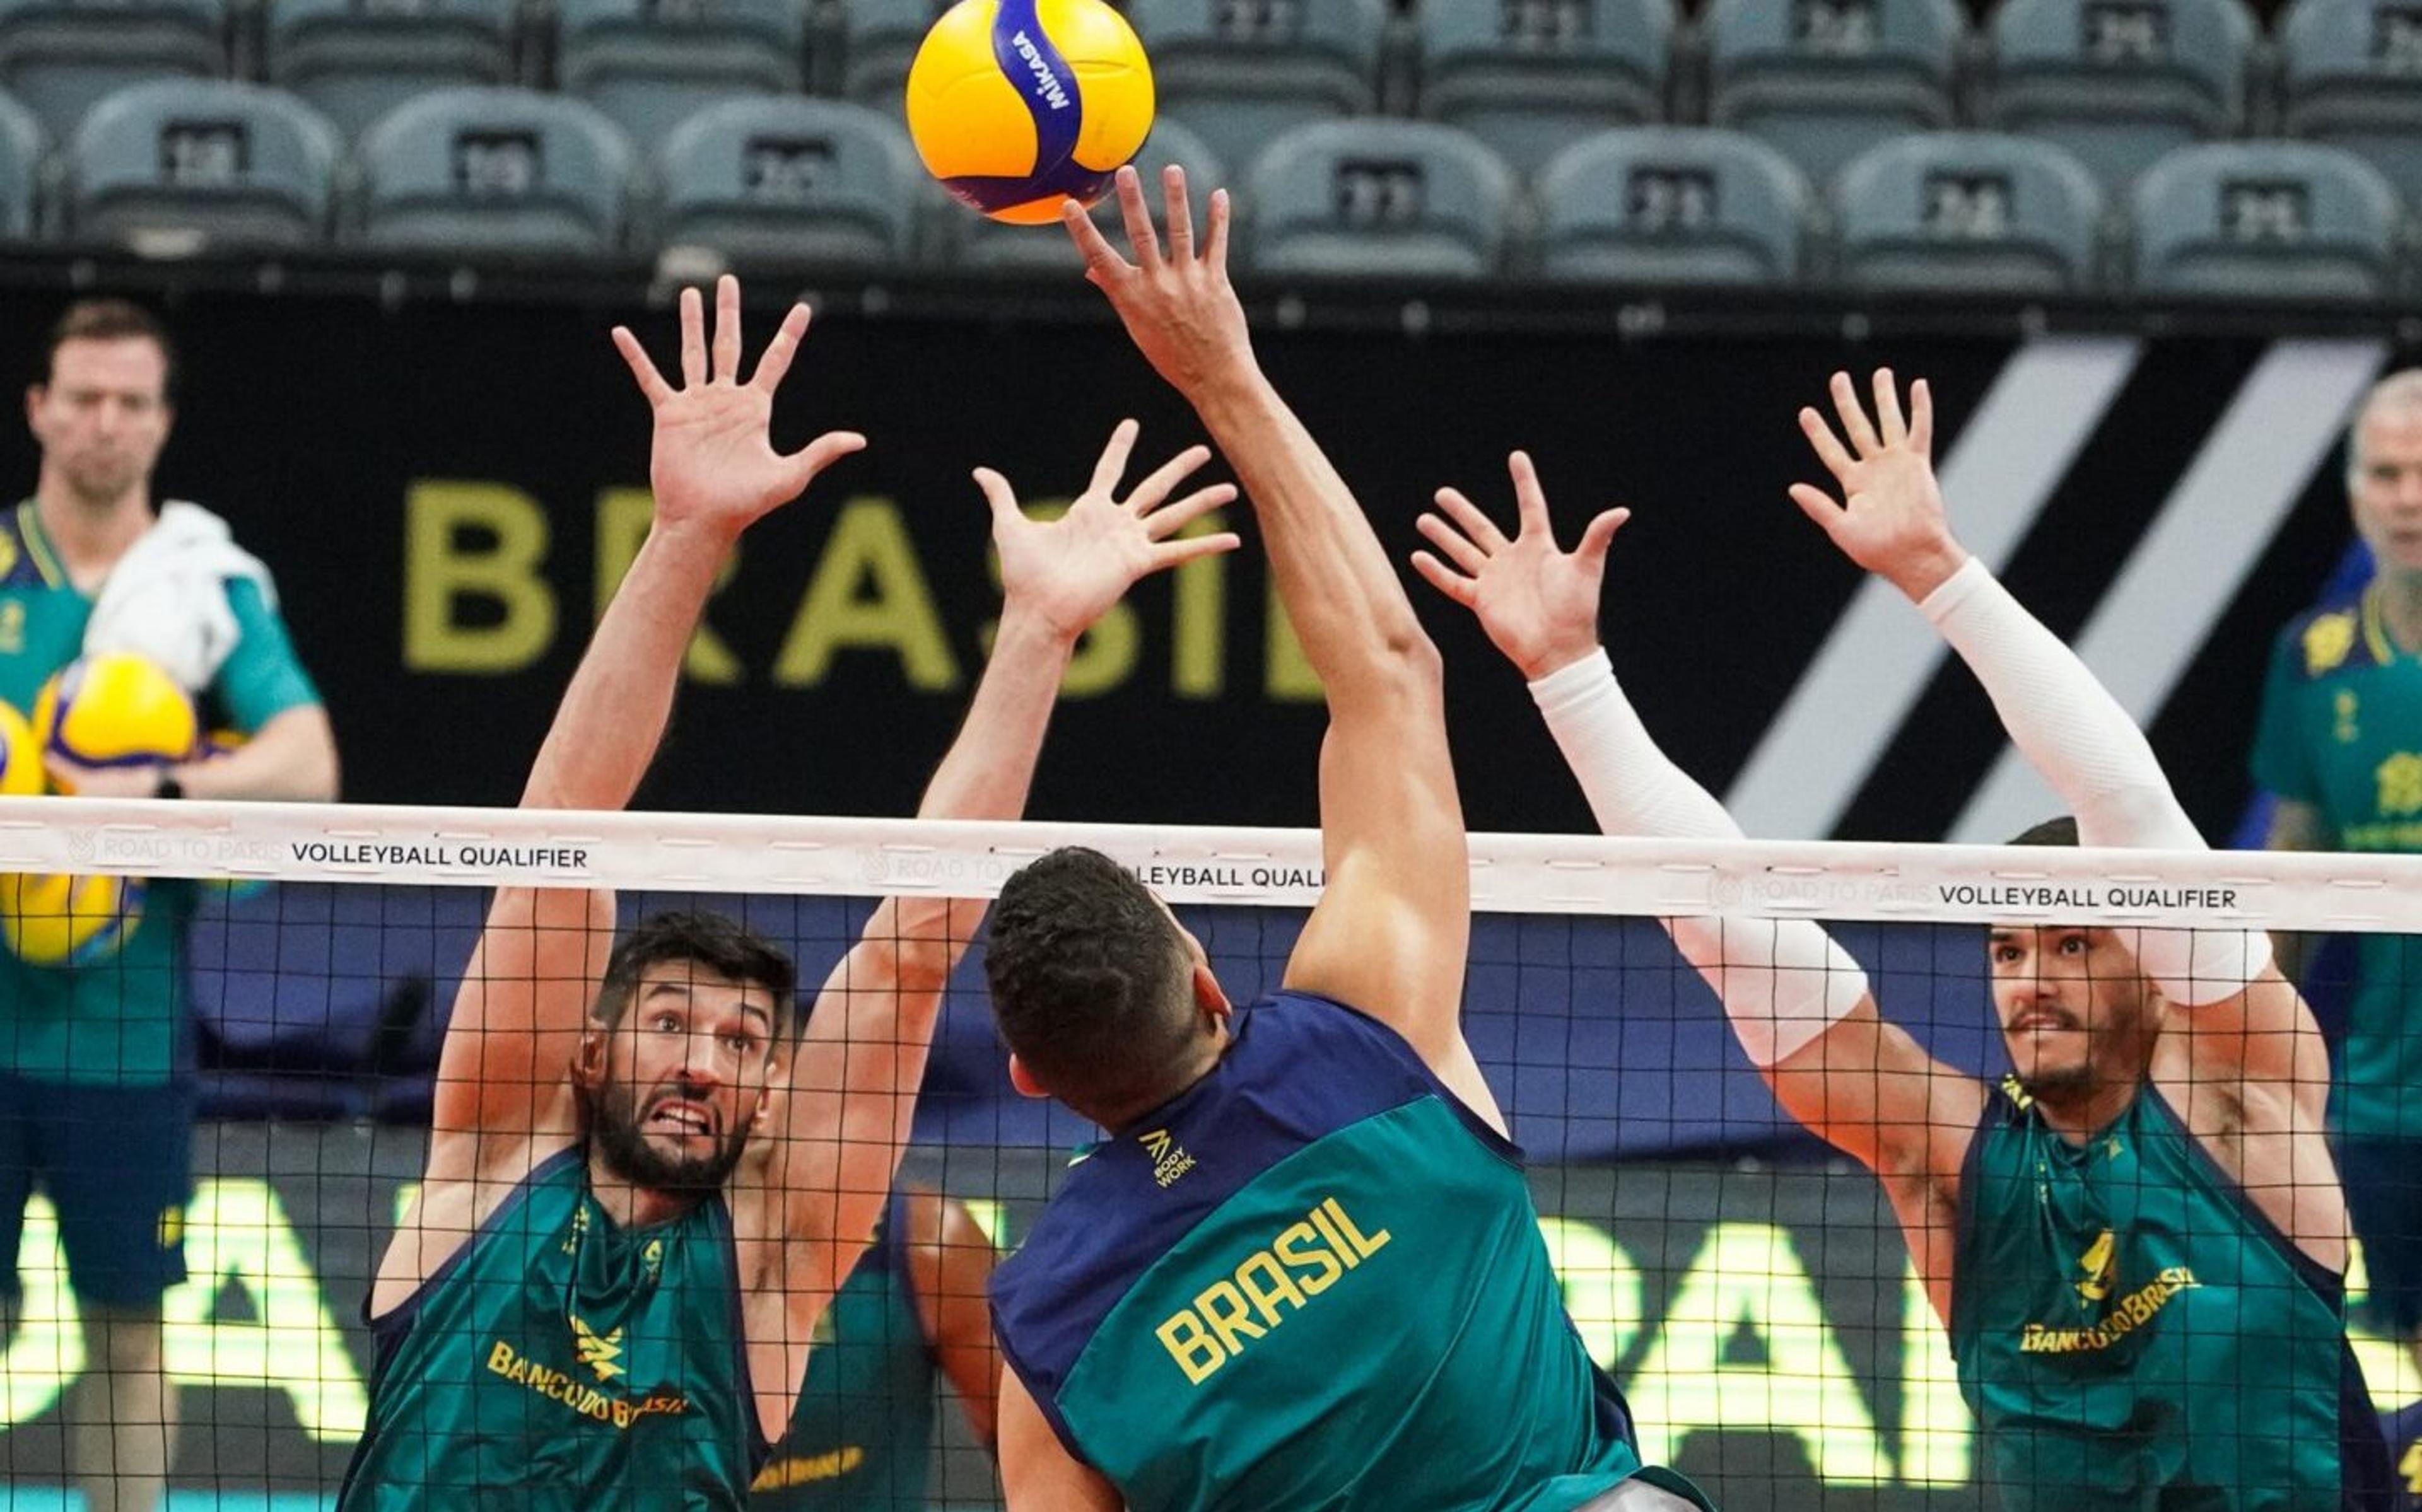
point(2383, 1192)
point(118, 1164)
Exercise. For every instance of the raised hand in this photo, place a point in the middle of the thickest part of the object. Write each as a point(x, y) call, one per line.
point(714, 465)
point(1890, 519)
point(1538, 604)
point(1177, 305)
point(1068, 571)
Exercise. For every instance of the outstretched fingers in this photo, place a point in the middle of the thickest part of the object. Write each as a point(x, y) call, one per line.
point(821, 453)
point(999, 498)
point(1457, 547)
point(1184, 549)
point(1178, 214)
point(727, 330)
point(651, 382)
point(1921, 418)
point(1164, 479)
point(1816, 504)
point(1529, 499)
point(1888, 416)
point(1143, 241)
point(1112, 464)
point(1462, 590)
point(775, 365)
point(1590, 552)
point(1827, 445)
point(1103, 264)
point(693, 339)
point(1472, 522)
point(1854, 416)
point(1215, 248)
point(1163, 525)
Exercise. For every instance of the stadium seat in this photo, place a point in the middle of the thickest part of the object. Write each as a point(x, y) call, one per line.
point(651, 64)
point(59, 57)
point(975, 242)
point(1531, 78)
point(1968, 211)
point(184, 165)
point(2260, 220)
point(1822, 81)
point(1671, 205)
point(2119, 85)
point(1241, 72)
point(23, 147)
point(506, 172)
point(2354, 80)
point(355, 62)
point(1411, 199)
point(775, 182)
point(878, 41)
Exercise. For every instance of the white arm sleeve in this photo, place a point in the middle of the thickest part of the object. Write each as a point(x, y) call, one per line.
point(2068, 725)
point(1784, 982)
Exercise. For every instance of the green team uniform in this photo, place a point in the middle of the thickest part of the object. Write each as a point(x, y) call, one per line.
point(2341, 730)
point(2131, 1334)
point(561, 1362)
point(1312, 1281)
point(862, 1438)
point(116, 1021)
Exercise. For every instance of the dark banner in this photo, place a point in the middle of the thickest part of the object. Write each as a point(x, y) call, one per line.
point(1766, 1325)
point(449, 492)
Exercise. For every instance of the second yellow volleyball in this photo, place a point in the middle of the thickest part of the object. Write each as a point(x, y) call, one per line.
point(114, 709)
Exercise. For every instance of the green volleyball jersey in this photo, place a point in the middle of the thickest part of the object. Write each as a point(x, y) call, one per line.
point(862, 1438)
point(1311, 1280)
point(561, 1362)
point(2130, 1333)
point(2341, 729)
point(114, 1016)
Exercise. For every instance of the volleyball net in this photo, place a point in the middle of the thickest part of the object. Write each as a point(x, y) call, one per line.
point(1748, 1289)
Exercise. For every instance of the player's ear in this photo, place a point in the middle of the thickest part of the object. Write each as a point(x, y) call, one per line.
point(589, 1061)
point(1022, 1079)
point(1208, 995)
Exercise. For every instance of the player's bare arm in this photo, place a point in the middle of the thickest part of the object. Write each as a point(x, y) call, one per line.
point(805, 1211)
point(1391, 929)
point(1863, 1084)
point(951, 1262)
point(503, 1098)
point(2240, 1056)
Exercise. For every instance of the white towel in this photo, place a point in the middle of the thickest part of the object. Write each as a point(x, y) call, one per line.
point(166, 597)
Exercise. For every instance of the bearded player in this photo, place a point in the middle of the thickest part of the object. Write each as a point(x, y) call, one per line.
point(594, 1302)
point(2137, 1241)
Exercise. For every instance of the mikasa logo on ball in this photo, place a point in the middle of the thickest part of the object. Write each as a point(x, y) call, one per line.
point(1045, 79)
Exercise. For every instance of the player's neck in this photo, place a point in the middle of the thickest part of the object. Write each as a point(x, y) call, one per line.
point(2400, 609)
point(631, 1205)
point(2077, 1114)
point(90, 535)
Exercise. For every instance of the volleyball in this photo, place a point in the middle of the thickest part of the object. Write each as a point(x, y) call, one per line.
point(1019, 104)
point(52, 919)
point(114, 709)
point(21, 755)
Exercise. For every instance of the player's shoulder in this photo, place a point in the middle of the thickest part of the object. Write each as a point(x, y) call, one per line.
point(25, 561)
point(2327, 640)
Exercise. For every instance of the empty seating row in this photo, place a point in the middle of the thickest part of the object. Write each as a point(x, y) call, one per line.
point(2117, 82)
point(179, 167)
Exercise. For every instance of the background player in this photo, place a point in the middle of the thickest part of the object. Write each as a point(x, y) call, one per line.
point(1305, 1271)
point(2340, 744)
point(2137, 1242)
point(861, 1439)
point(96, 1100)
point(586, 1299)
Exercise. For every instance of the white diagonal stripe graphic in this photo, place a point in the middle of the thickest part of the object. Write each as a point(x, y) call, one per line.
point(2007, 462)
point(2211, 531)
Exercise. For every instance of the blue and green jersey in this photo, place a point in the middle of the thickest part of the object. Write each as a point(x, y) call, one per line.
point(1315, 1280)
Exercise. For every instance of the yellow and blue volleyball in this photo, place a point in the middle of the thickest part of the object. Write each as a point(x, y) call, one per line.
point(21, 755)
point(116, 709)
point(1017, 105)
point(52, 919)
